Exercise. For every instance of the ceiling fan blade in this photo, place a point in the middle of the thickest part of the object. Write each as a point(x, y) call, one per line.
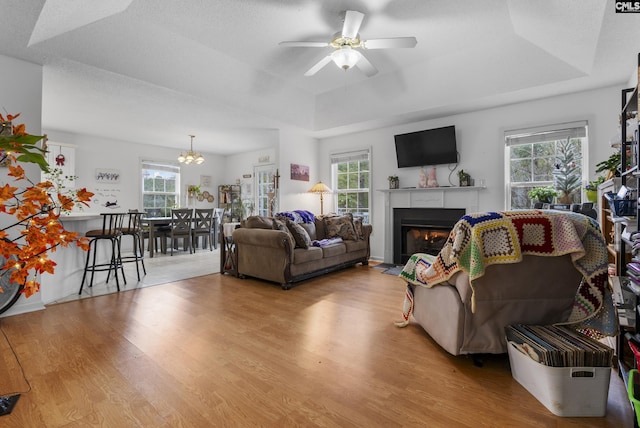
point(352, 21)
point(305, 44)
point(395, 42)
point(313, 70)
point(366, 67)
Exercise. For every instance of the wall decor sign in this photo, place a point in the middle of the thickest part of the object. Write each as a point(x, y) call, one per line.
point(299, 172)
point(205, 180)
point(107, 175)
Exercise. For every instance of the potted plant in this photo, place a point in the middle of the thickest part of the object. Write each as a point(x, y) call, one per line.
point(544, 194)
point(394, 182)
point(611, 166)
point(193, 190)
point(591, 189)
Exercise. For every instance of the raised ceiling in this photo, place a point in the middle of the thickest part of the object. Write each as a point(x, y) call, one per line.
point(158, 70)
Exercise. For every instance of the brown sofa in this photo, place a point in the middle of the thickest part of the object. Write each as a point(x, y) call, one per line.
point(275, 249)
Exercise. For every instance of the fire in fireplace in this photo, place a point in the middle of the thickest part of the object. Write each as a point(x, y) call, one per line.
point(421, 230)
point(426, 239)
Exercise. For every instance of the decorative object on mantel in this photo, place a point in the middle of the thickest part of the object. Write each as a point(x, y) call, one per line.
point(321, 189)
point(191, 156)
point(465, 178)
point(431, 180)
point(394, 182)
point(422, 179)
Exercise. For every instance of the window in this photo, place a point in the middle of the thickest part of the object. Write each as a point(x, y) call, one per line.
point(160, 186)
point(552, 155)
point(350, 177)
point(266, 202)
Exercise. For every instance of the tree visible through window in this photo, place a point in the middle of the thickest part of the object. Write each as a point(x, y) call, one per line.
point(160, 186)
point(351, 182)
point(546, 156)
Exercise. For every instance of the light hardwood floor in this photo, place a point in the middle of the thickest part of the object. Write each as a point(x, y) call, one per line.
point(218, 351)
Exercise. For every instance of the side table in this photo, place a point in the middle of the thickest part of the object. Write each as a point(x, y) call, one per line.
point(228, 259)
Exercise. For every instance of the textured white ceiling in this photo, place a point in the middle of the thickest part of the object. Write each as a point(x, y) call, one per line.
point(163, 69)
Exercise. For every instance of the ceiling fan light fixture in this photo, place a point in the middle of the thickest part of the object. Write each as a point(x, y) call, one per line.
point(345, 57)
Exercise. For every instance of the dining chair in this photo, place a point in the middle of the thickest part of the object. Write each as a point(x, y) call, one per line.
point(203, 227)
point(180, 227)
point(158, 229)
point(111, 231)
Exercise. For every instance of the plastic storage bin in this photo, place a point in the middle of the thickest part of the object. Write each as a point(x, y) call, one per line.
point(565, 391)
point(634, 393)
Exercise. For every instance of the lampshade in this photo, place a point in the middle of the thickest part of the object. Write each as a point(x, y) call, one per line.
point(321, 189)
point(345, 57)
point(191, 156)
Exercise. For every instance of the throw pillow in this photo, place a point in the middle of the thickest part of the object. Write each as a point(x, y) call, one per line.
point(300, 235)
point(341, 227)
point(258, 222)
point(280, 225)
point(357, 223)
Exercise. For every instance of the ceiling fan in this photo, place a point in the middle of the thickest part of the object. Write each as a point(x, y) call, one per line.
point(346, 44)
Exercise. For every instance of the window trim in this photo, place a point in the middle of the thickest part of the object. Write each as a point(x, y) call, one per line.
point(162, 165)
point(348, 156)
point(520, 136)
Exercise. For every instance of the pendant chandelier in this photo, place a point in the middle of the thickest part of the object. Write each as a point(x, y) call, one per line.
point(191, 156)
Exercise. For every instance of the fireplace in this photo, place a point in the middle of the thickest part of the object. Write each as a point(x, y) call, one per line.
point(421, 230)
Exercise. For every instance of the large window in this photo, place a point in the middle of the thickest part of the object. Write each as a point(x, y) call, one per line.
point(160, 186)
point(552, 155)
point(350, 175)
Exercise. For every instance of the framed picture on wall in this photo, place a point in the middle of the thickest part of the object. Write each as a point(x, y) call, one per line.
point(205, 180)
point(299, 172)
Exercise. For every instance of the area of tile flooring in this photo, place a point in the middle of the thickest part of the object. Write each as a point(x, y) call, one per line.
point(161, 269)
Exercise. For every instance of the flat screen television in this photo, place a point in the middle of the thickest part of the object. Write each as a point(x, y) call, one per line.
point(429, 147)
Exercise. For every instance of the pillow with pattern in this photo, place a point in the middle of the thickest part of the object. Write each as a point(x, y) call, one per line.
point(341, 227)
point(280, 225)
point(300, 235)
point(357, 224)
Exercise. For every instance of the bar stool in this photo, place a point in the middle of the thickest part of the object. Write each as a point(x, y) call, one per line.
point(112, 232)
point(134, 229)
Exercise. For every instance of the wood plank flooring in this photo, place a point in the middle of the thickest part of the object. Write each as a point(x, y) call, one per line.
point(218, 351)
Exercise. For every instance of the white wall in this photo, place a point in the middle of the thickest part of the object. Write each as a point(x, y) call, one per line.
point(481, 145)
point(296, 147)
point(21, 92)
point(99, 153)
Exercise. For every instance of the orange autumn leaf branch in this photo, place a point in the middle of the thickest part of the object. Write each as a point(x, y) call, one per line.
point(34, 230)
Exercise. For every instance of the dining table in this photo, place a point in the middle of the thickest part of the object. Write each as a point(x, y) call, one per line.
point(153, 222)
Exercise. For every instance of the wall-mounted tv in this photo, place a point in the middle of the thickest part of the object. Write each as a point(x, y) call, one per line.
point(429, 147)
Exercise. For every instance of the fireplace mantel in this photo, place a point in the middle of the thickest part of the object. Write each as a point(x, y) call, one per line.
point(433, 197)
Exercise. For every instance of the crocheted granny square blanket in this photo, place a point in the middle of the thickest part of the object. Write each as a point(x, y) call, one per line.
point(481, 239)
